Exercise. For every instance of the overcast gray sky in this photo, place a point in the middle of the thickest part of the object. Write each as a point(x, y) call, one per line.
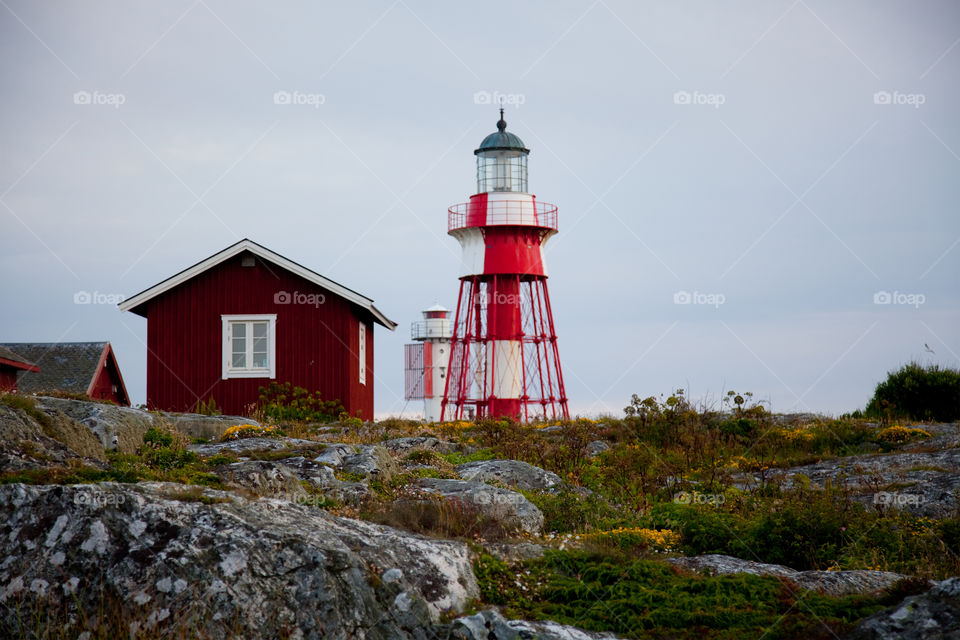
point(783, 163)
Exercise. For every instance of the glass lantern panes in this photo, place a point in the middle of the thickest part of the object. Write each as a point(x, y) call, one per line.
point(501, 171)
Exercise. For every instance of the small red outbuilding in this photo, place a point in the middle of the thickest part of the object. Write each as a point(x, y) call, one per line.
point(247, 316)
point(88, 368)
point(12, 364)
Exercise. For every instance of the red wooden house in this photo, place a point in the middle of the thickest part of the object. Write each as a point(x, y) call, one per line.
point(88, 368)
point(247, 316)
point(10, 365)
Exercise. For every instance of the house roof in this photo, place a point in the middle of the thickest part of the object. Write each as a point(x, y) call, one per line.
point(15, 360)
point(135, 303)
point(64, 366)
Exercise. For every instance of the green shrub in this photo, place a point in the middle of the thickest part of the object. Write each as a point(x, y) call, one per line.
point(644, 598)
point(916, 392)
point(283, 401)
point(165, 448)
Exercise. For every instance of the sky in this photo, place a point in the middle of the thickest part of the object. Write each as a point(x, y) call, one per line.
point(754, 196)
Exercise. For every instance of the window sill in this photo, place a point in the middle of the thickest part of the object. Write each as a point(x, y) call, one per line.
point(248, 373)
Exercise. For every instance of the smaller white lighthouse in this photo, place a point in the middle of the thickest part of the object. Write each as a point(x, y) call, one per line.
point(426, 361)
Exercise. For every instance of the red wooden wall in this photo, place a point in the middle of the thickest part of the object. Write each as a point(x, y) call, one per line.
point(316, 347)
point(106, 379)
point(8, 378)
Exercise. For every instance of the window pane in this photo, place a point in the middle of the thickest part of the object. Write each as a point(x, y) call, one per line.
point(239, 329)
point(239, 360)
point(239, 345)
point(260, 352)
point(259, 329)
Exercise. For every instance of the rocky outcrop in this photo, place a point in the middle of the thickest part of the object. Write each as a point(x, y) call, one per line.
point(925, 483)
point(490, 625)
point(209, 563)
point(509, 509)
point(282, 479)
point(116, 428)
point(263, 478)
point(25, 443)
point(510, 473)
point(205, 427)
point(834, 583)
point(243, 446)
point(363, 460)
point(401, 446)
point(934, 615)
point(596, 447)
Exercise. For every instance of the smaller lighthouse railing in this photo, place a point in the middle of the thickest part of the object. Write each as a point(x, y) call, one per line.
point(502, 212)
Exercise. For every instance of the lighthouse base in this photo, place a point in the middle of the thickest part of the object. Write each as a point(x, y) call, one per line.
point(504, 361)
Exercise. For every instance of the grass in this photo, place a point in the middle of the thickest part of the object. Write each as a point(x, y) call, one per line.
point(29, 406)
point(617, 512)
point(639, 598)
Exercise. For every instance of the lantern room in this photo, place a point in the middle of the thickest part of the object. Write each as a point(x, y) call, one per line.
point(501, 161)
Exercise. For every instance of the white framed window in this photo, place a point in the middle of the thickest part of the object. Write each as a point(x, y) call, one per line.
point(362, 353)
point(249, 346)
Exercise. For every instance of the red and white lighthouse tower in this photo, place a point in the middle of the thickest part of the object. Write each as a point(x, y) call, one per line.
point(504, 360)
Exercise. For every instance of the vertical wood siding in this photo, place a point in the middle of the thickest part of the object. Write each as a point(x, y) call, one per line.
point(316, 347)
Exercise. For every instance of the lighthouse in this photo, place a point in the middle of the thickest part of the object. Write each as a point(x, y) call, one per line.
point(504, 360)
point(426, 360)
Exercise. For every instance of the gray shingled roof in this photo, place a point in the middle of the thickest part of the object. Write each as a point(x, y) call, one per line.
point(66, 366)
point(7, 354)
